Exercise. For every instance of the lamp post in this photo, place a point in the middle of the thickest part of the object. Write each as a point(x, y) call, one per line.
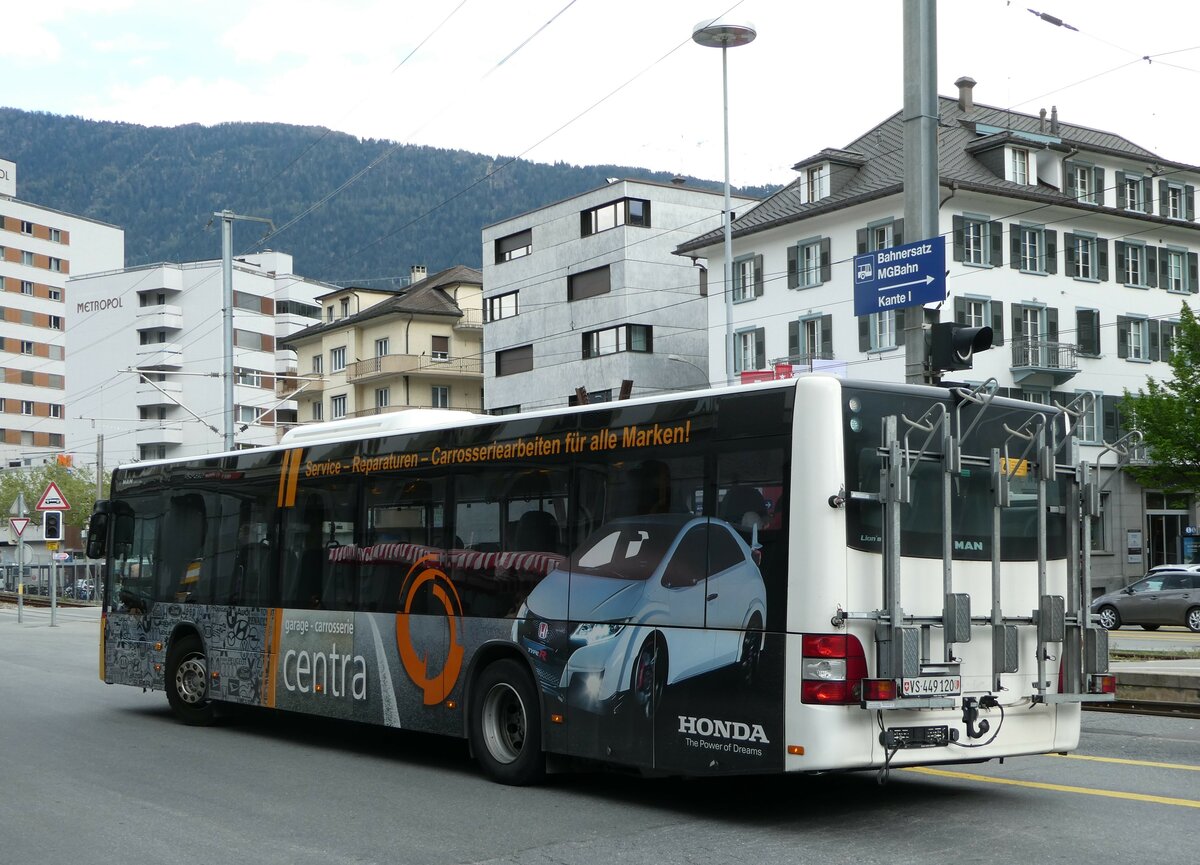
point(715, 33)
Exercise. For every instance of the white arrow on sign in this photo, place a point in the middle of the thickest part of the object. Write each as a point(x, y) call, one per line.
point(18, 524)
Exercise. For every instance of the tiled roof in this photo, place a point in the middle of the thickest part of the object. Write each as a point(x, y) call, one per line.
point(882, 172)
point(427, 297)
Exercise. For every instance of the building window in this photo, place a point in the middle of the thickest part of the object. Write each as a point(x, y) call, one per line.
point(26, 406)
point(501, 306)
point(1131, 261)
point(515, 408)
point(54, 294)
point(1033, 249)
point(589, 283)
point(383, 397)
point(248, 414)
point(26, 227)
point(1131, 191)
point(977, 240)
point(976, 313)
point(27, 257)
point(1179, 270)
point(749, 350)
point(1084, 183)
point(809, 263)
point(152, 452)
point(382, 347)
point(26, 287)
point(56, 235)
point(883, 330)
point(318, 363)
point(251, 377)
point(345, 307)
point(329, 313)
point(1089, 422)
point(56, 265)
point(626, 337)
point(626, 211)
point(337, 407)
point(513, 246)
point(440, 348)
point(747, 278)
point(816, 184)
point(810, 338)
point(26, 346)
point(514, 360)
point(1018, 162)
point(1087, 332)
point(318, 411)
point(1133, 337)
point(337, 359)
point(883, 234)
point(1083, 250)
point(56, 410)
point(440, 396)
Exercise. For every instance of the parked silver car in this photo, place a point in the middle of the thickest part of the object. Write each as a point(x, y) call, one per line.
point(1162, 597)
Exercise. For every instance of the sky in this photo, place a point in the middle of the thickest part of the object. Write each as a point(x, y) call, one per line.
point(598, 81)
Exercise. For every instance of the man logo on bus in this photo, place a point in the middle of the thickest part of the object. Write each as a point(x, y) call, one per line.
point(425, 575)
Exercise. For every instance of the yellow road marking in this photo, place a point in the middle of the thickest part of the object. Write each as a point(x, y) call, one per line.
point(1058, 788)
point(1183, 766)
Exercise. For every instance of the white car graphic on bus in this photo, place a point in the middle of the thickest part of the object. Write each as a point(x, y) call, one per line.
point(653, 600)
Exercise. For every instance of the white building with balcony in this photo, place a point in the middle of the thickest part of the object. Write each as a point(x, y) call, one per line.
point(1075, 245)
point(146, 359)
point(584, 295)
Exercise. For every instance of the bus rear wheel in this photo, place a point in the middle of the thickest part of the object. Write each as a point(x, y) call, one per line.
point(506, 724)
point(187, 682)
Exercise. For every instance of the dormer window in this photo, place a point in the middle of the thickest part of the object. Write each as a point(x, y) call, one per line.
point(1018, 165)
point(816, 183)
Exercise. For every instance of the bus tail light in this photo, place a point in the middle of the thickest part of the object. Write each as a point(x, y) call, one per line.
point(879, 690)
point(1103, 683)
point(832, 669)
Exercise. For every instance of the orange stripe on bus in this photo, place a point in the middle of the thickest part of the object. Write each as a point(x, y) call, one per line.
point(293, 477)
point(283, 477)
point(271, 661)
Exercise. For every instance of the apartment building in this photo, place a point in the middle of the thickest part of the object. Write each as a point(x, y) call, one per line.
point(146, 365)
point(40, 249)
point(1075, 245)
point(584, 296)
point(376, 352)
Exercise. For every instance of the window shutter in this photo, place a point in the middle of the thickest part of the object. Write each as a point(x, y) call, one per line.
point(758, 276)
point(996, 230)
point(1086, 332)
point(1147, 194)
point(1119, 250)
point(997, 322)
point(827, 337)
point(1151, 266)
point(864, 333)
point(1193, 284)
point(1101, 259)
point(1014, 246)
point(793, 267)
point(960, 310)
point(1018, 321)
point(1112, 418)
point(958, 238)
point(1051, 261)
point(1069, 253)
point(1052, 324)
point(1098, 185)
point(1153, 327)
point(826, 263)
point(1168, 337)
point(1189, 203)
point(1164, 268)
point(1122, 336)
point(900, 326)
point(860, 239)
point(1120, 189)
point(1162, 198)
point(760, 348)
point(898, 232)
point(1069, 181)
point(793, 339)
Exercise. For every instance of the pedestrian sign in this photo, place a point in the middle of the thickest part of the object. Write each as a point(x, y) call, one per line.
point(53, 499)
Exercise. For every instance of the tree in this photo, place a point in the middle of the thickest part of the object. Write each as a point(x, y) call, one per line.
point(78, 485)
point(1168, 414)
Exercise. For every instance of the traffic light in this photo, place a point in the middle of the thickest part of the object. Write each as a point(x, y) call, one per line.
point(52, 527)
point(954, 345)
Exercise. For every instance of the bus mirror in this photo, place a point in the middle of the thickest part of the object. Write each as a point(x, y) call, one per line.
point(97, 532)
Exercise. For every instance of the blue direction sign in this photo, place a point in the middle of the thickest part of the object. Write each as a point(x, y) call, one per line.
point(909, 275)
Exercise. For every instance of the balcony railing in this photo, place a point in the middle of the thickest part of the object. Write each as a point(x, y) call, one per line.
point(288, 386)
point(472, 319)
point(1058, 360)
point(413, 364)
point(388, 409)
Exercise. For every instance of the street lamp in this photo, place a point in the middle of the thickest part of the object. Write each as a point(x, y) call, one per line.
point(715, 33)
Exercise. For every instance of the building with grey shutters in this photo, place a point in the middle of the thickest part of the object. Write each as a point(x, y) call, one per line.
point(1076, 246)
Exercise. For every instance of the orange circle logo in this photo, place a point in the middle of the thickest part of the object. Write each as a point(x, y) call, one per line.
point(436, 688)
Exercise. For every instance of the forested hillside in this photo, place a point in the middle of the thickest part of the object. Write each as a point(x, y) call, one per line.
point(411, 205)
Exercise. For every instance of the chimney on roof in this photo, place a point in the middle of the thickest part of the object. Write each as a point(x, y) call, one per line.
point(1054, 120)
point(965, 85)
point(416, 273)
point(1042, 120)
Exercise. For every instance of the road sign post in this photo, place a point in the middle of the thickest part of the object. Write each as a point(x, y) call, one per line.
point(53, 501)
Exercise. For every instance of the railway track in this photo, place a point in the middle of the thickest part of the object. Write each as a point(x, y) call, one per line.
point(43, 601)
point(1147, 707)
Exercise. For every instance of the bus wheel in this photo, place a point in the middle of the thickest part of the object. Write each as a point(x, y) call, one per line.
point(752, 641)
point(506, 724)
point(649, 675)
point(187, 682)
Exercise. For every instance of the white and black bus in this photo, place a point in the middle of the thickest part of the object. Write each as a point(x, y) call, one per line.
point(804, 575)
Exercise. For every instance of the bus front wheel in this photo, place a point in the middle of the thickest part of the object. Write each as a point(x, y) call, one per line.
point(187, 682)
point(506, 725)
